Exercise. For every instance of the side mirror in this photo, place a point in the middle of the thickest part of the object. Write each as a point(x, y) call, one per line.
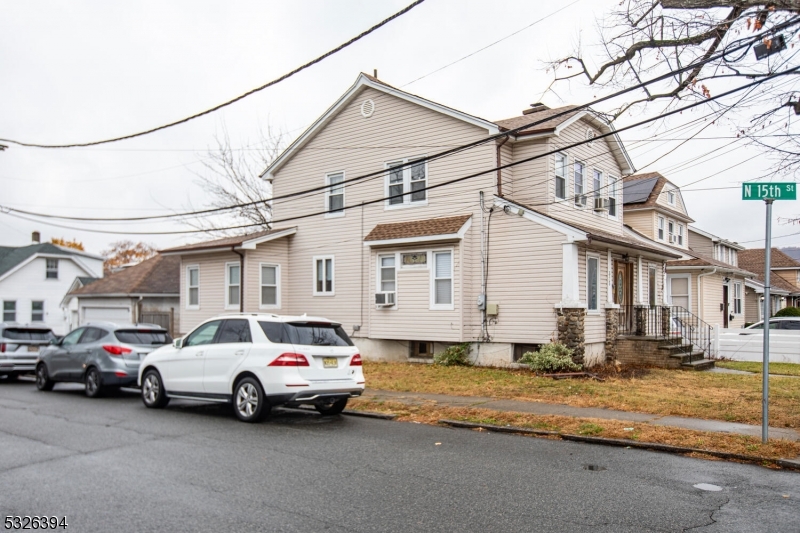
point(178, 343)
point(56, 341)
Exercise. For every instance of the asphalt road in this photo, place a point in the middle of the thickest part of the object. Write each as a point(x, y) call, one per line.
point(110, 464)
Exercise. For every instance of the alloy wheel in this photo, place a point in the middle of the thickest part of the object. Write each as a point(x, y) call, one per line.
point(150, 389)
point(247, 400)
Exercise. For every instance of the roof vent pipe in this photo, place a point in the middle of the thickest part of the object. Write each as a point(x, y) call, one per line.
point(36, 237)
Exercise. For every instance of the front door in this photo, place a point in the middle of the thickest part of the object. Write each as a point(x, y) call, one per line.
point(622, 287)
point(724, 306)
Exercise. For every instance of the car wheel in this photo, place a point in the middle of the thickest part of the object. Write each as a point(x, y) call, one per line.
point(153, 393)
point(330, 408)
point(94, 383)
point(43, 381)
point(249, 402)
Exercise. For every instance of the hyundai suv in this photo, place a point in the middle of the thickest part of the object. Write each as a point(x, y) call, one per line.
point(256, 362)
point(19, 347)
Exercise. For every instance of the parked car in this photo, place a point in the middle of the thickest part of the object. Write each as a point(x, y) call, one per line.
point(783, 323)
point(19, 347)
point(256, 362)
point(100, 354)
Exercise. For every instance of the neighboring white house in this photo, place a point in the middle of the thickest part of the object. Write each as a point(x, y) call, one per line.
point(35, 278)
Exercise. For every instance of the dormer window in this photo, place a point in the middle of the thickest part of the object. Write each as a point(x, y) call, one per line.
point(405, 185)
point(51, 269)
point(671, 197)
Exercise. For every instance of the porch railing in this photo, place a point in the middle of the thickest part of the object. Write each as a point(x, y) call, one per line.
point(671, 323)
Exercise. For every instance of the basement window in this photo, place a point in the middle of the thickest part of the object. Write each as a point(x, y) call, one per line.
point(522, 349)
point(420, 349)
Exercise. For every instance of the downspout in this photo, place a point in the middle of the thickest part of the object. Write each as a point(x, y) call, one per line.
point(241, 277)
point(700, 293)
point(499, 172)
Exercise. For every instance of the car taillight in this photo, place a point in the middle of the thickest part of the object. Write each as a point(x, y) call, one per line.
point(290, 359)
point(116, 350)
point(356, 360)
point(3, 347)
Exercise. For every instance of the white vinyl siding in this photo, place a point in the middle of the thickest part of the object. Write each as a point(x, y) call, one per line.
point(442, 280)
point(193, 287)
point(270, 287)
point(405, 185)
point(323, 276)
point(233, 284)
point(334, 194)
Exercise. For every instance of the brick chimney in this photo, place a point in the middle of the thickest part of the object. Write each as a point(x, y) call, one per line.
point(535, 108)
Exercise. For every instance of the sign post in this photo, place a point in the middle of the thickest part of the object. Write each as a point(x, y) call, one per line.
point(769, 192)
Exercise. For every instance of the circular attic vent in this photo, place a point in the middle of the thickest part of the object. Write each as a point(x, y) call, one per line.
point(590, 135)
point(367, 108)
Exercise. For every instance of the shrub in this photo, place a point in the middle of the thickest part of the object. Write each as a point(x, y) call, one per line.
point(553, 357)
point(455, 355)
point(788, 311)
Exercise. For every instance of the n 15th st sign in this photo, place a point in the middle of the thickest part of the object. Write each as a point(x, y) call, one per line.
point(774, 191)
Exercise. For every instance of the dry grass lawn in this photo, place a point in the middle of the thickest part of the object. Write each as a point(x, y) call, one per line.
point(714, 396)
point(778, 369)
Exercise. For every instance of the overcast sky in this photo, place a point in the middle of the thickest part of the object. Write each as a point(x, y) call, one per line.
point(82, 71)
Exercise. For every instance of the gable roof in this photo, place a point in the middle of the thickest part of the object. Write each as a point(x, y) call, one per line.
point(247, 241)
point(363, 82)
point(12, 257)
point(753, 259)
point(158, 275)
point(641, 191)
point(418, 228)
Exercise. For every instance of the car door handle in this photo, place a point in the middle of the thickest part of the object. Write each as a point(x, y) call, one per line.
point(198, 354)
point(239, 352)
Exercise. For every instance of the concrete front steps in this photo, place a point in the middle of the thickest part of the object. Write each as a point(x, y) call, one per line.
point(688, 357)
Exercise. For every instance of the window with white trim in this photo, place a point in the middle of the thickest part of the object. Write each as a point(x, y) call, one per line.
point(323, 276)
point(612, 196)
point(51, 269)
point(597, 181)
point(671, 197)
point(9, 311)
point(671, 230)
point(405, 185)
point(592, 282)
point(37, 311)
point(193, 287)
point(561, 176)
point(680, 234)
point(270, 278)
point(579, 169)
point(387, 270)
point(334, 194)
point(737, 298)
point(442, 297)
point(660, 228)
point(233, 284)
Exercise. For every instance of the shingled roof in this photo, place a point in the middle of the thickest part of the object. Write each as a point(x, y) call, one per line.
point(753, 260)
point(642, 190)
point(11, 256)
point(548, 117)
point(417, 228)
point(157, 275)
point(226, 241)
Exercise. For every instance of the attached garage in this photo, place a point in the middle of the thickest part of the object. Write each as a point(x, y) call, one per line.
point(108, 314)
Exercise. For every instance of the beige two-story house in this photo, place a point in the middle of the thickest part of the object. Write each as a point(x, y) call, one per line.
point(784, 282)
point(509, 243)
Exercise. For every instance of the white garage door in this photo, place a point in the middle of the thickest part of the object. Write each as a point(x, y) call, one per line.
point(120, 315)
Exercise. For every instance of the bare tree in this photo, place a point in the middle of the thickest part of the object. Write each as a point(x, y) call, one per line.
point(644, 39)
point(231, 178)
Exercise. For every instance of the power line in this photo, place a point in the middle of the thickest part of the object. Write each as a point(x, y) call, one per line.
point(234, 100)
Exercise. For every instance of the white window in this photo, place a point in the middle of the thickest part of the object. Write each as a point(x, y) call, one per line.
point(561, 176)
point(592, 282)
point(727, 255)
point(37, 311)
point(442, 281)
point(678, 288)
point(51, 271)
point(661, 228)
point(323, 276)
point(612, 196)
point(579, 170)
point(671, 230)
point(405, 185)
point(193, 287)
point(334, 194)
point(737, 298)
point(734, 257)
point(798, 276)
point(387, 270)
point(9, 311)
point(270, 286)
point(671, 197)
point(597, 179)
point(233, 283)
point(680, 234)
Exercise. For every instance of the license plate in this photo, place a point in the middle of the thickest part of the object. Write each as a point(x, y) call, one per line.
point(33, 348)
point(330, 362)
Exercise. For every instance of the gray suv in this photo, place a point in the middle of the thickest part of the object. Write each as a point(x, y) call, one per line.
point(19, 347)
point(101, 355)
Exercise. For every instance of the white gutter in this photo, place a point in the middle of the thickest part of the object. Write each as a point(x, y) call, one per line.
point(700, 293)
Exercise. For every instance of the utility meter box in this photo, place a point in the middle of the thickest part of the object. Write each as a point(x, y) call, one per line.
point(492, 309)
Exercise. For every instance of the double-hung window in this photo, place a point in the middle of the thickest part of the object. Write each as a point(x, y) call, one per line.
point(680, 234)
point(233, 284)
point(442, 297)
point(388, 274)
point(592, 282)
point(323, 276)
point(660, 228)
point(51, 270)
point(612, 196)
point(270, 297)
point(193, 287)
point(561, 176)
point(9, 311)
point(671, 230)
point(406, 182)
point(334, 194)
point(579, 171)
point(737, 298)
point(597, 179)
point(671, 197)
point(37, 311)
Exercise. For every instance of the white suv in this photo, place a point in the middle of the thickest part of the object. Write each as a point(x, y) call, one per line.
point(256, 361)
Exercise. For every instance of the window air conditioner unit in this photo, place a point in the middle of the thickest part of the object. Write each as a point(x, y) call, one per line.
point(580, 200)
point(673, 239)
point(384, 299)
point(601, 204)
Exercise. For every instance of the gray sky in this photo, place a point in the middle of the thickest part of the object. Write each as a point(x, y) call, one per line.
point(83, 71)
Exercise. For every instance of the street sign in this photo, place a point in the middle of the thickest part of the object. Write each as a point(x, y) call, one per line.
point(774, 191)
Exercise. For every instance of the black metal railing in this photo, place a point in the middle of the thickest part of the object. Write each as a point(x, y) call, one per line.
point(672, 323)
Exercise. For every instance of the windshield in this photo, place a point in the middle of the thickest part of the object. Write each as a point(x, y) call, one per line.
point(772, 325)
point(25, 334)
point(308, 333)
point(145, 337)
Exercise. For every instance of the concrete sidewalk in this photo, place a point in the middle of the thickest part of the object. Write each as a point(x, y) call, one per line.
point(540, 408)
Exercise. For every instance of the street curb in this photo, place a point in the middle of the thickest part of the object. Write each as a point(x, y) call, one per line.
point(369, 414)
point(783, 463)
